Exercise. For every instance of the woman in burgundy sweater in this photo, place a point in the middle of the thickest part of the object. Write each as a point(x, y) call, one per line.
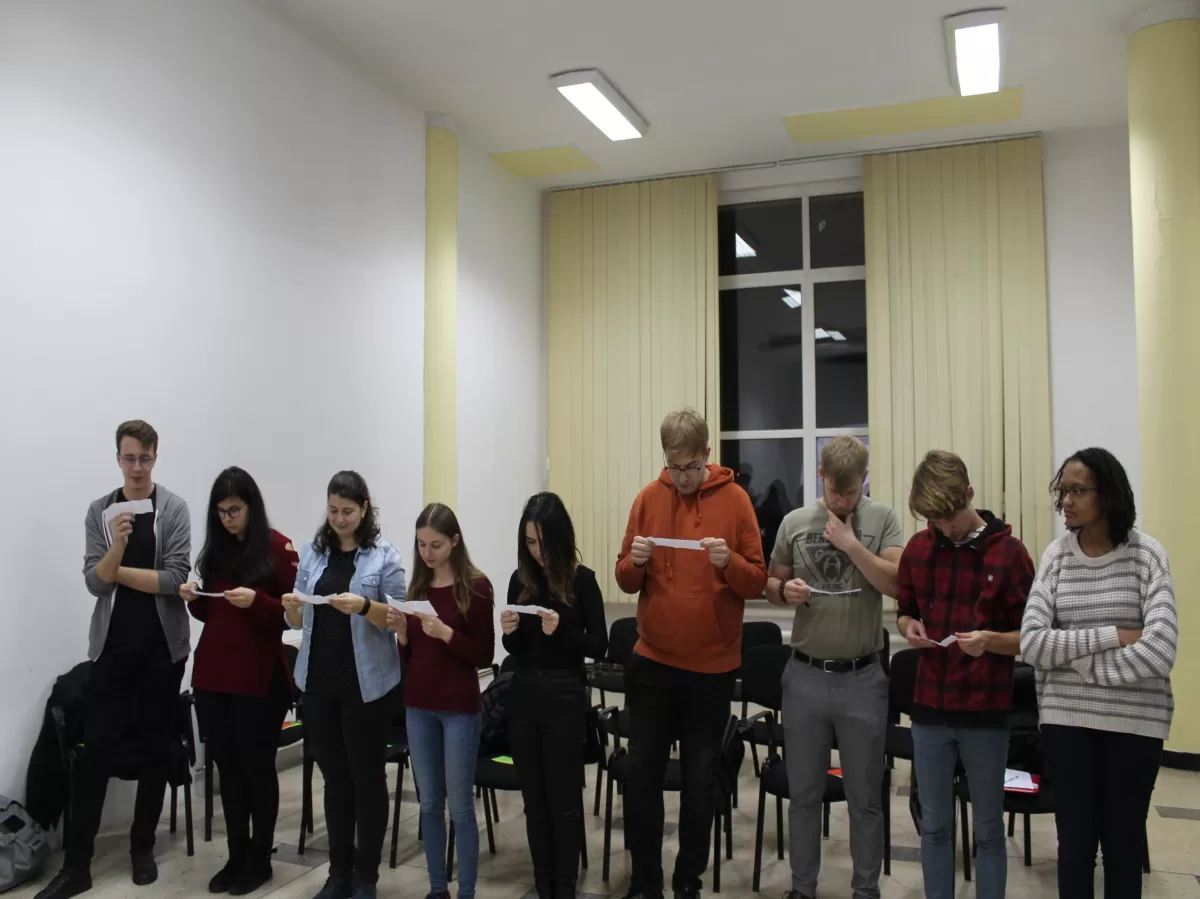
point(443, 654)
point(240, 671)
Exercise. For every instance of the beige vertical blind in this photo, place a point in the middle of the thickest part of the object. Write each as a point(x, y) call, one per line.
point(957, 317)
point(632, 309)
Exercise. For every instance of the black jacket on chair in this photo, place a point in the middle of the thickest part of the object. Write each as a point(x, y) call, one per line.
point(46, 782)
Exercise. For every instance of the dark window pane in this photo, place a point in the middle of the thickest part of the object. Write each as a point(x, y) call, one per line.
point(772, 472)
point(840, 344)
point(821, 441)
point(761, 237)
point(836, 226)
point(762, 359)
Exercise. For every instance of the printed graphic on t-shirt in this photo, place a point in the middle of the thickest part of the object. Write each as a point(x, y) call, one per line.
point(829, 568)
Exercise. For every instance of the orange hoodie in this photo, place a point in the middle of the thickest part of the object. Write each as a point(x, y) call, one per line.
point(690, 611)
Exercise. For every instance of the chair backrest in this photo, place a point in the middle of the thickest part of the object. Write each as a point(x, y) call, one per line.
point(762, 675)
point(760, 633)
point(622, 637)
point(733, 753)
point(509, 664)
point(903, 683)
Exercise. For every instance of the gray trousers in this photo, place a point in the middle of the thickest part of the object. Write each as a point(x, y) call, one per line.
point(817, 707)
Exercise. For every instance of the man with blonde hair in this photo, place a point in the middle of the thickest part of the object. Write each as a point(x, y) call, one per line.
point(833, 561)
point(679, 683)
point(963, 585)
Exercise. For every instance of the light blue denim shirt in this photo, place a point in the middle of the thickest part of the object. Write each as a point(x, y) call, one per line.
point(378, 573)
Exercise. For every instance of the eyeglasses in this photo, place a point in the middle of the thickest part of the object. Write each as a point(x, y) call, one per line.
point(1075, 493)
point(694, 468)
point(231, 513)
point(130, 461)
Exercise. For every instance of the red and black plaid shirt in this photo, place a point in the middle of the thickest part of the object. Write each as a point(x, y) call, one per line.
point(980, 585)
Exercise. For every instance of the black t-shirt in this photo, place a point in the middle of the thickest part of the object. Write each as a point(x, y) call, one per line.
point(331, 668)
point(135, 623)
point(580, 633)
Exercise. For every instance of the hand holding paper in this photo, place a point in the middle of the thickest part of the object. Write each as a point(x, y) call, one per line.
point(524, 610)
point(412, 608)
point(134, 507)
point(672, 543)
point(312, 600)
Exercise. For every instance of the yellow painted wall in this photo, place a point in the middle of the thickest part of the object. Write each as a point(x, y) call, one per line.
point(1164, 160)
point(441, 316)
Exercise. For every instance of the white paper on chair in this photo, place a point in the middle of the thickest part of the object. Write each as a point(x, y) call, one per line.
point(412, 608)
point(313, 600)
point(1019, 780)
point(525, 610)
point(136, 507)
point(672, 543)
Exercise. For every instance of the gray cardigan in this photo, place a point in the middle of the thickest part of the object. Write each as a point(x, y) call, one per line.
point(172, 560)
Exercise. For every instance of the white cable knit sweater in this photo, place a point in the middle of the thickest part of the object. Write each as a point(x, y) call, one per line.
point(1085, 677)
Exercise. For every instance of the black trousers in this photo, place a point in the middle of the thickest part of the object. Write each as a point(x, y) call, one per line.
point(129, 729)
point(241, 734)
point(667, 704)
point(546, 732)
point(348, 738)
point(1101, 782)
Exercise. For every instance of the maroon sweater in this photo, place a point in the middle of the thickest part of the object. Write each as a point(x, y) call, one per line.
point(239, 647)
point(444, 677)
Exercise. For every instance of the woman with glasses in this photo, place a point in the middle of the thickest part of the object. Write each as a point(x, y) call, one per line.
point(240, 673)
point(547, 706)
point(349, 670)
point(1100, 626)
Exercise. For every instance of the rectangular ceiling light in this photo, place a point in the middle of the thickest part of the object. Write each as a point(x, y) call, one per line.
point(974, 50)
point(791, 298)
point(741, 248)
point(593, 95)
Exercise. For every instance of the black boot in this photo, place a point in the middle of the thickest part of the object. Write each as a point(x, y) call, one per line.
point(70, 881)
point(145, 868)
point(224, 879)
point(544, 887)
point(255, 873)
point(335, 888)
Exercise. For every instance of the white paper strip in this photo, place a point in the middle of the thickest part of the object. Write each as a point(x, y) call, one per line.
point(412, 608)
point(213, 595)
point(948, 640)
point(136, 507)
point(525, 610)
point(672, 543)
point(817, 592)
point(313, 600)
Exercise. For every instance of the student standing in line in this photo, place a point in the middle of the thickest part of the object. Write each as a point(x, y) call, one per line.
point(139, 641)
point(834, 687)
point(348, 669)
point(443, 655)
point(1101, 629)
point(965, 576)
point(240, 672)
point(547, 706)
point(679, 683)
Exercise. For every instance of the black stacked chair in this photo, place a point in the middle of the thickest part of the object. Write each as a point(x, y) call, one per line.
point(398, 754)
point(898, 742)
point(608, 676)
point(756, 633)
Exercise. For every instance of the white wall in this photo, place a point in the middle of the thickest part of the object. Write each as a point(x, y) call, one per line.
point(501, 361)
point(1089, 262)
point(208, 224)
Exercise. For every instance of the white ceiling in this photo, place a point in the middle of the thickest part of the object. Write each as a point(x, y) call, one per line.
point(712, 78)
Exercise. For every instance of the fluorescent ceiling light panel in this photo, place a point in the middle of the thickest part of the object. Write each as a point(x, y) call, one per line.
point(593, 95)
point(791, 298)
point(741, 249)
point(974, 50)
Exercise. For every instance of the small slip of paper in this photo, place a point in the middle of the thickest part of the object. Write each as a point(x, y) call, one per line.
point(672, 543)
point(947, 641)
point(524, 610)
point(136, 507)
point(213, 595)
point(412, 608)
point(815, 592)
point(313, 600)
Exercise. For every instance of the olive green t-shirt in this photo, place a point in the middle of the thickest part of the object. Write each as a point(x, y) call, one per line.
point(836, 627)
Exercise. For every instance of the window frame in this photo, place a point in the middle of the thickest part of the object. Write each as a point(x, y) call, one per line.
point(807, 278)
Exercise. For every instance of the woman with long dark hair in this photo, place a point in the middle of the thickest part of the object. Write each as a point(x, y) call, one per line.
point(240, 673)
point(547, 706)
point(443, 654)
point(1101, 628)
point(349, 669)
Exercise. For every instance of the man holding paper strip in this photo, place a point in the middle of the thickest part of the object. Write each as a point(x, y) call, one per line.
point(965, 576)
point(833, 560)
point(679, 683)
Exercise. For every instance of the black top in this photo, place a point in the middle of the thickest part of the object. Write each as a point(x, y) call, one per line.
point(135, 624)
point(581, 630)
point(331, 668)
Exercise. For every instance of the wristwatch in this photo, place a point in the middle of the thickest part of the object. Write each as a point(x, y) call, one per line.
point(366, 607)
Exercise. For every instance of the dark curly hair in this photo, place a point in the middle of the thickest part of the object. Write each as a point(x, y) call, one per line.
point(350, 485)
point(1117, 505)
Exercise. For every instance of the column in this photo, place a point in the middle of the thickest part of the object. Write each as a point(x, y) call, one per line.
point(441, 311)
point(1164, 167)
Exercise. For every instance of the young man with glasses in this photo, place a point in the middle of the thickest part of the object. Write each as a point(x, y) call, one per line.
point(964, 581)
point(137, 556)
point(834, 559)
point(679, 683)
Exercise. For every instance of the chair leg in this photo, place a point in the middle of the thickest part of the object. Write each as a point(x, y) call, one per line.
point(495, 808)
point(487, 816)
point(208, 796)
point(1145, 852)
point(886, 802)
point(599, 781)
point(729, 834)
point(1028, 842)
point(583, 856)
point(779, 825)
point(1012, 824)
point(717, 852)
point(396, 813)
point(187, 815)
point(758, 837)
point(607, 827)
point(966, 840)
point(174, 812)
point(754, 758)
point(450, 853)
point(825, 820)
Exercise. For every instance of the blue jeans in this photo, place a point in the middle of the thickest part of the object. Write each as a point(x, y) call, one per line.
point(984, 754)
point(444, 747)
